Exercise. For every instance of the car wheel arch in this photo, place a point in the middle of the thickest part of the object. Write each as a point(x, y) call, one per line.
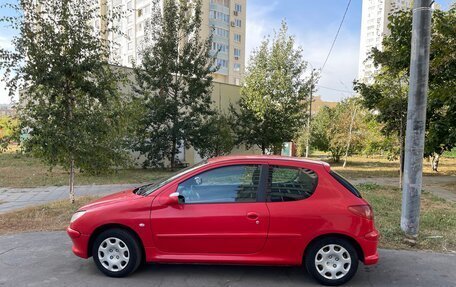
point(105, 227)
point(353, 241)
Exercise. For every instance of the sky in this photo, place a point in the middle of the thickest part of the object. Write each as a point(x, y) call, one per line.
point(313, 23)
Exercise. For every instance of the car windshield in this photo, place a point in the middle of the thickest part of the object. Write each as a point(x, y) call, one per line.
point(151, 187)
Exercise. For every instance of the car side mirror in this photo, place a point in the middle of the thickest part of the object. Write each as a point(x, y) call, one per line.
point(175, 198)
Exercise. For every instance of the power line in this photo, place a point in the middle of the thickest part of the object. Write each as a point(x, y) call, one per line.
point(333, 89)
point(335, 38)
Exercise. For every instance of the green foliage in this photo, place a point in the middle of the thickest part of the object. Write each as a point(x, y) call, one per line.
point(375, 142)
point(221, 142)
point(331, 130)
point(320, 137)
point(387, 95)
point(70, 104)
point(9, 132)
point(273, 98)
point(174, 83)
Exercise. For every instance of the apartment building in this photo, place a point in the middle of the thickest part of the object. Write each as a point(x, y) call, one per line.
point(225, 19)
point(374, 26)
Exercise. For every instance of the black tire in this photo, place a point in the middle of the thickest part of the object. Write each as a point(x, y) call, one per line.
point(313, 269)
point(134, 252)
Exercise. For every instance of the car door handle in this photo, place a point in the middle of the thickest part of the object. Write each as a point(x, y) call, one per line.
point(252, 215)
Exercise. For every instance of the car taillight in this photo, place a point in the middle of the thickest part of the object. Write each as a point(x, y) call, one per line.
point(362, 210)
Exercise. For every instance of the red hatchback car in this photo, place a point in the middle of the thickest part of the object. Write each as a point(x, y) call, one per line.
point(256, 210)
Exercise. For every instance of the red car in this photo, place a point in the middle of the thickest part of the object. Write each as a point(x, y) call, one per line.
point(255, 210)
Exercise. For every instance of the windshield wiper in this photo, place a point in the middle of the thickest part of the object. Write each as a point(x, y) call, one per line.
point(142, 189)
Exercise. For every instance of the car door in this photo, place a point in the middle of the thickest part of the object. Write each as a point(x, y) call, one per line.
point(223, 213)
point(293, 212)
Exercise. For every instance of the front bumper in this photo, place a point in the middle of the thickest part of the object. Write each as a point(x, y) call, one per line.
point(80, 243)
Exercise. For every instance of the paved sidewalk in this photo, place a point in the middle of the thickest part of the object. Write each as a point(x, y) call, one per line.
point(441, 186)
point(45, 259)
point(14, 198)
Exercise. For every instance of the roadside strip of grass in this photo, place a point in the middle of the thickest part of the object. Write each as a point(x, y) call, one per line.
point(437, 226)
point(437, 221)
point(18, 170)
point(53, 216)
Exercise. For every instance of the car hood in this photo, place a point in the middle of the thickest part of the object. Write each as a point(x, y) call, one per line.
point(112, 198)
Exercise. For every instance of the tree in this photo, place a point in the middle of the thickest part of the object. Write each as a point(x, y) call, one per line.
point(222, 140)
point(273, 98)
point(70, 102)
point(394, 60)
point(174, 83)
point(387, 98)
point(9, 132)
point(339, 130)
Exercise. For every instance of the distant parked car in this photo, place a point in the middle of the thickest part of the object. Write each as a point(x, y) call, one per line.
point(252, 210)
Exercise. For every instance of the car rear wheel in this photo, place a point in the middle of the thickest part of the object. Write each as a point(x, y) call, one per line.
point(332, 261)
point(116, 253)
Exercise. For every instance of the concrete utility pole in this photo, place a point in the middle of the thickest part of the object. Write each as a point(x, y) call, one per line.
point(309, 119)
point(416, 117)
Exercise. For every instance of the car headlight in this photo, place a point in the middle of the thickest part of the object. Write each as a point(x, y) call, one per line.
point(77, 215)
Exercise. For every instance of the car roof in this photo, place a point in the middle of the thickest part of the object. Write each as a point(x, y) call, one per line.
point(267, 158)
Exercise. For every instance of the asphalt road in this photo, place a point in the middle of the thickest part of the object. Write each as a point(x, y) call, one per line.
point(45, 259)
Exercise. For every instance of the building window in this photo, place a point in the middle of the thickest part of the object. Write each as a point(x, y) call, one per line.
point(237, 52)
point(237, 82)
point(221, 32)
point(130, 19)
point(130, 46)
point(130, 5)
point(220, 47)
point(130, 33)
point(237, 38)
point(237, 67)
point(225, 3)
point(216, 15)
point(238, 8)
point(139, 27)
point(238, 23)
point(222, 63)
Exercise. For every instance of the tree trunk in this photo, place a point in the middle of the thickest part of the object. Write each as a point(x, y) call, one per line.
point(72, 197)
point(263, 149)
point(349, 137)
point(277, 150)
point(435, 162)
point(173, 155)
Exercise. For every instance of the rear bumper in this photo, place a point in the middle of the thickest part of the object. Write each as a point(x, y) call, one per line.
point(80, 243)
point(369, 243)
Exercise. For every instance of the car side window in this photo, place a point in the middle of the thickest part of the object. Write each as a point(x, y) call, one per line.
point(237, 183)
point(290, 184)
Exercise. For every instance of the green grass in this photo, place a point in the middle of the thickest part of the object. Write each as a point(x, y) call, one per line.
point(17, 170)
point(451, 154)
point(378, 166)
point(437, 222)
point(53, 216)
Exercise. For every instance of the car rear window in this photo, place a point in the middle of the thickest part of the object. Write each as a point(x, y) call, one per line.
point(345, 183)
point(290, 183)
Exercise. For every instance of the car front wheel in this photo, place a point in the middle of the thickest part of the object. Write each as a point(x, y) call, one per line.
point(116, 253)
point(332, 261)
